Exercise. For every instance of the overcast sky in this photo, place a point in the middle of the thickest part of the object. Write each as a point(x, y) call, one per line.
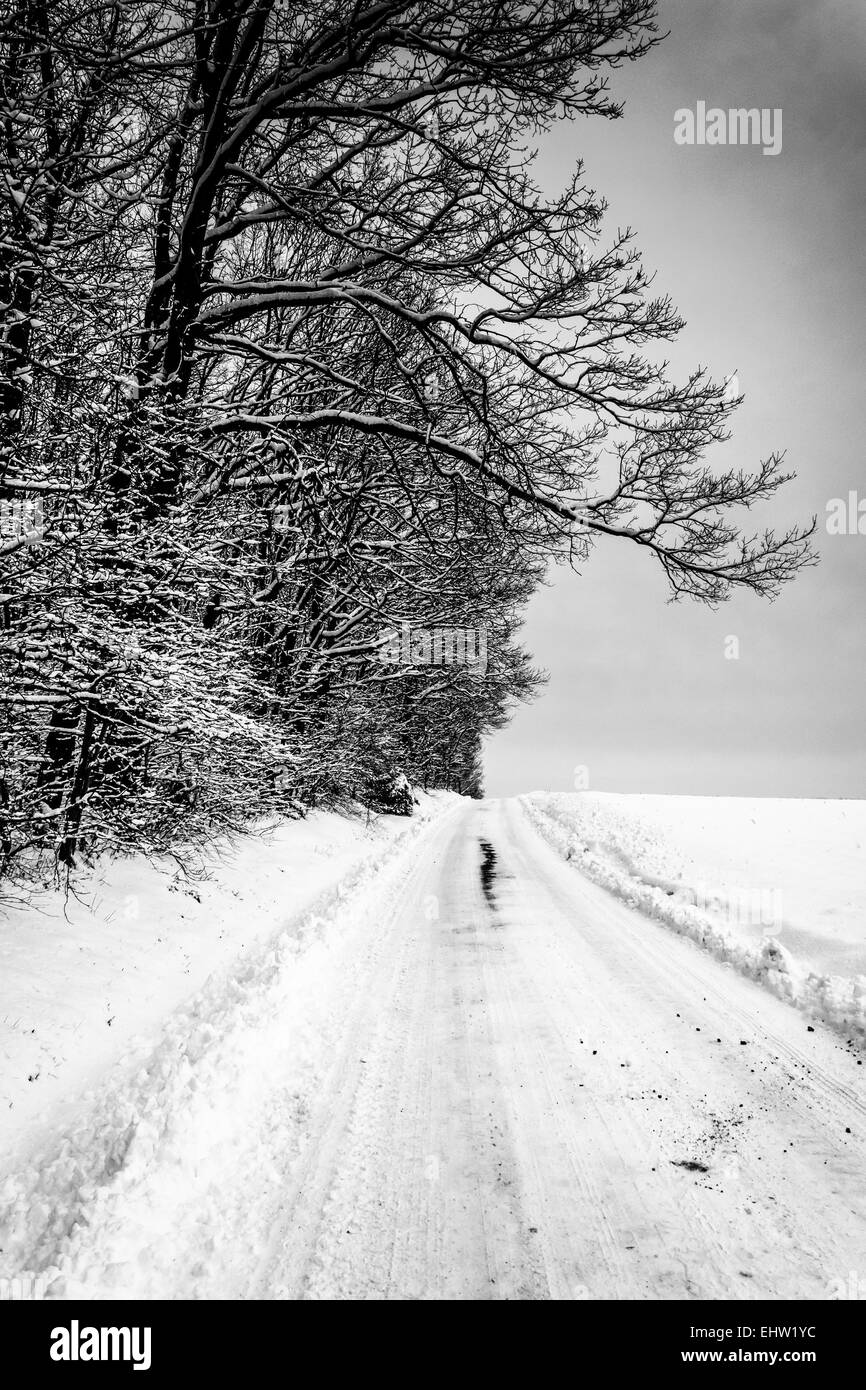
point(764, 257)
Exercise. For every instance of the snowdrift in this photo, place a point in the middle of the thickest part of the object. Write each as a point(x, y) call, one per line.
point(731, 874)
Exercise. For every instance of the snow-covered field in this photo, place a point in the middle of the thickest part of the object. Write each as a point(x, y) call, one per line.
point(777, 887)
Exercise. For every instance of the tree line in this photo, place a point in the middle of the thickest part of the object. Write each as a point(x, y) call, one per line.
point(293, 353)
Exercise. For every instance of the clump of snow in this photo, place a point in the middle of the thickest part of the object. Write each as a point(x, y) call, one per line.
point(774, 887)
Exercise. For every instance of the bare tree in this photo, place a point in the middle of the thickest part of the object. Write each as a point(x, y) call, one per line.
point(294, 351)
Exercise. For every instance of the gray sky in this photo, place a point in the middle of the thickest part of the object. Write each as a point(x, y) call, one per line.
point(764, 257)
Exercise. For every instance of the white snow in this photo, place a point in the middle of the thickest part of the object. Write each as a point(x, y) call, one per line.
point(429, 1081)
point(90, 976)
point(777, 887)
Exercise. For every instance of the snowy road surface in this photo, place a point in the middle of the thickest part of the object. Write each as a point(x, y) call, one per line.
point(496, 1082)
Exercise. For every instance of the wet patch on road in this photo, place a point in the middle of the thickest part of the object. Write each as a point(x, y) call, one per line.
point(488, 871)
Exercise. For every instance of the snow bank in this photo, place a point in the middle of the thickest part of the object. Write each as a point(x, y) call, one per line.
point(161, 995)
point(774, 887)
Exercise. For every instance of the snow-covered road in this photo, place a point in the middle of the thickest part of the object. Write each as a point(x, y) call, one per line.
point(513, 1086)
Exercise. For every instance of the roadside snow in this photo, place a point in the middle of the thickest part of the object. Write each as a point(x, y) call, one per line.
point(90, 978)
point(175, 1119)
point(775, 887)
